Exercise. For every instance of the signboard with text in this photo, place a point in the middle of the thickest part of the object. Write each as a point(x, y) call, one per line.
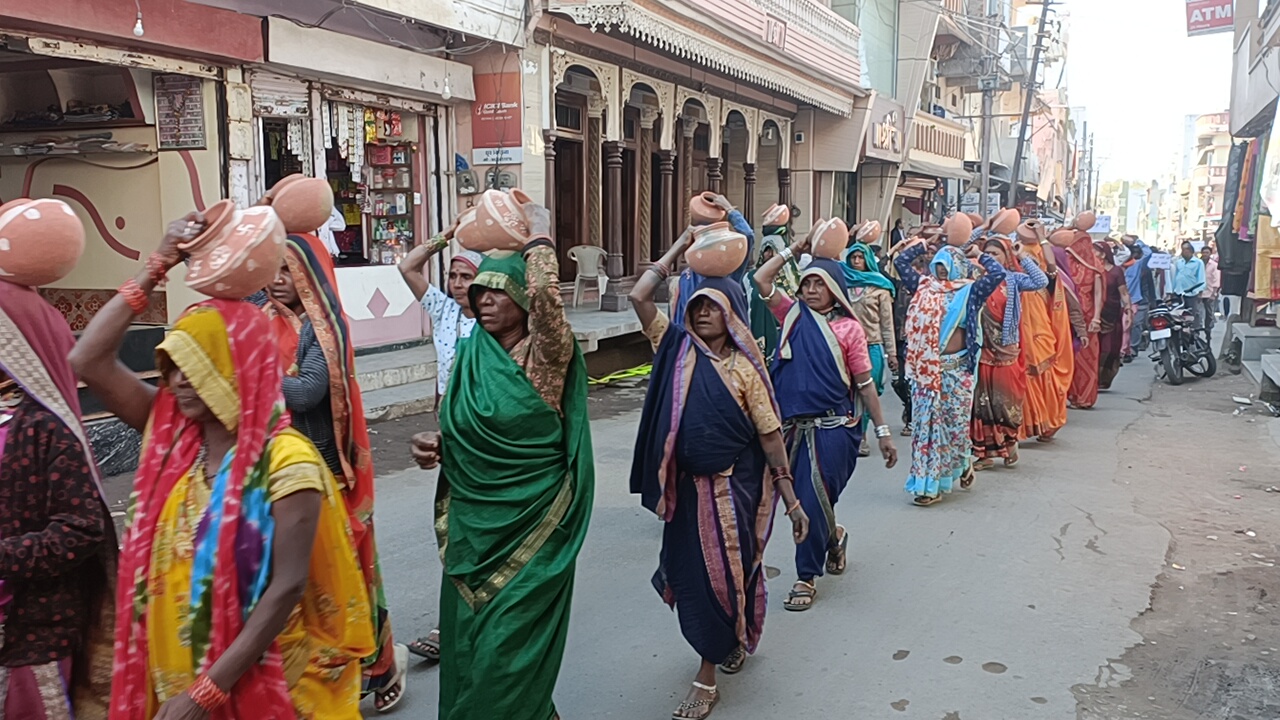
point(887, 134)
point(1205, 17)
point(496, 130)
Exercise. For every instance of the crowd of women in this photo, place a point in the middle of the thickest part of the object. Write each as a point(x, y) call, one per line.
point(247, 583)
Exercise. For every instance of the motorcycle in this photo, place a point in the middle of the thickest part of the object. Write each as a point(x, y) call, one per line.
point(1176, 344)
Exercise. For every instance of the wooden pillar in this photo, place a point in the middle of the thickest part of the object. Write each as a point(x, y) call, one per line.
point(689, 127)
point(784, 186)
point(749, 194)
point(668, 207)
point(549, 182)
point(595, 136)
point(713, 175)
point(614, 298)
point(644, 189)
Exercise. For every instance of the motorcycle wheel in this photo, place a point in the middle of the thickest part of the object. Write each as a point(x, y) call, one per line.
point(1206, 366)
point(1172, 367)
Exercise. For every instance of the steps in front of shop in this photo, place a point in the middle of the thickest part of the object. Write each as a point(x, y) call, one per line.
point(398, 383)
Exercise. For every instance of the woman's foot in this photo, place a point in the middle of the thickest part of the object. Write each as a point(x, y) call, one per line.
point(1011, 460)
point(732, 665)
point(966, 480)
point(388, 697)
point(1047, 437)
point(864, 450)
point(838, 555)
point(801, 596)
point(698, 704)
point(908, 429)
point(980, 466)
point(427, 647)
point(926, 500)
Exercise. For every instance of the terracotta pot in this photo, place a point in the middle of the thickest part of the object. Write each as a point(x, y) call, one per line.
point(717, 250)
point(958, 228)
point(975, 219)
point(829, 239)
point(40, 241)
point(240, 260)
point(1085, 221)
point(217, 218)
point(497, 223)
point(704, 211)
point(777, 215)
point(303, 203)
point(1005, 222)
point(1031, 232)
point(1062, 237)
point(869, 232)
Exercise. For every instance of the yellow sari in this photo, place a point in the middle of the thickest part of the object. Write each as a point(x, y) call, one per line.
point(329, 632)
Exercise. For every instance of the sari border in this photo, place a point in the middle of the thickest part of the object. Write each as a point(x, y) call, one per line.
point(218, 393)
point(533, 542)
point(828, 335)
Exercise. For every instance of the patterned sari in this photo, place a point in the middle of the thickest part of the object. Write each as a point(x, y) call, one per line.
point(313, 277)
point(1085, 269)
point(699, 466)
point(34, 343)
point(197, 552)
point(1001, 386)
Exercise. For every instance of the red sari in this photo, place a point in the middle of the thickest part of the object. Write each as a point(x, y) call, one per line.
point(1001, 387)
point(1085, 270)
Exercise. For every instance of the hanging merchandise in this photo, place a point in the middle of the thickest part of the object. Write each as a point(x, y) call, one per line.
point(370, 126)
point(326, 124)
point(299, 142)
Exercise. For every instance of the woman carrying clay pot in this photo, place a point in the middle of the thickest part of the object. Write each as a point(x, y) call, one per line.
point(516, 482)
point(717, 427)
point(820, 385)
point(942, 355)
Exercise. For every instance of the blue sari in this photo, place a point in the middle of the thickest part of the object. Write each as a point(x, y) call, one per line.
point(821, 422)
point(716, 525)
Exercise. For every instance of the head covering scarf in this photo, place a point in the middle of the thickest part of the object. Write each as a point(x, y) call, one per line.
point(504, 271)
point(469, 257)
point(832, 275)
point(316, 285)
point(937, 309)
point(218, 345)
point(871, 277)
point(34, 343)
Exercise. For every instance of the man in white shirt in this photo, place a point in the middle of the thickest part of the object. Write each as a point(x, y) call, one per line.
point(337, 222)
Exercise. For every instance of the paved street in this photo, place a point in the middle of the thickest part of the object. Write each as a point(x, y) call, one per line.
point(991, 605)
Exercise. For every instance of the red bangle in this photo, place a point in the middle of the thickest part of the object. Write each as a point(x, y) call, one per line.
point(207, 695)
point(793, 508)
point(133, 294)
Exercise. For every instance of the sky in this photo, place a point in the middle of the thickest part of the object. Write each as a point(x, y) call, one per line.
point(1135, 72)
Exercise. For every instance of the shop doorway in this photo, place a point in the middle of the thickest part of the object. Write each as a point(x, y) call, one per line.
point(278, 159)
point(570, 192)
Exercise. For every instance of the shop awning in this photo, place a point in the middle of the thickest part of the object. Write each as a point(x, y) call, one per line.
point(923, 167)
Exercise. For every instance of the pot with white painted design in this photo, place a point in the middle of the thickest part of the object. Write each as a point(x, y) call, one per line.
point(239, 260)
point(40, 241)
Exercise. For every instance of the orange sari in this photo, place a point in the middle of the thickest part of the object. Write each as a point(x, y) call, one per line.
point(1085, 269)
point(1047, 352)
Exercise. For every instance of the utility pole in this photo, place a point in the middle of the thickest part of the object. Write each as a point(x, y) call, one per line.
point(988, 79)
point(1029, 89)
point(1081, 171)
point(1090, 200)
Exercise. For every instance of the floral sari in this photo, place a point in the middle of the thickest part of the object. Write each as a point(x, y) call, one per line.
point(316, 285)
point(197, 552)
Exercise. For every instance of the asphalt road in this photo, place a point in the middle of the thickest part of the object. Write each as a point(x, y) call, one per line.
point(989, 606)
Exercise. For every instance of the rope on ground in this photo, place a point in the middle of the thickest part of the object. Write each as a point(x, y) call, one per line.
point(635, 373)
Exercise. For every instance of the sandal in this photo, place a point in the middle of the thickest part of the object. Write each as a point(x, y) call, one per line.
point(427, 647)
point(838, 555)
point(864, 450)
point(979, 466)
point(926, 500)
point(907, 430)
point(387, 698)
point(1012, 459)
point(732, 665)
point(702, 707)
point(802, 590)
point(966, 480)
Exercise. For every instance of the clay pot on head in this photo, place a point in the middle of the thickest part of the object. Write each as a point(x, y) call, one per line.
point(1062, 237)
point(40, 241)
point(975, 219)
point(1084, 221)
point(869, 232)
point(241, 259)
point(716, 251)
point(217, 218)
point(829, 239)
point(303, 203)
point(958, 228)
point(704, 211)
point(495, 223)
point(1031, 232)
point(1005, 222)
point(777, 215)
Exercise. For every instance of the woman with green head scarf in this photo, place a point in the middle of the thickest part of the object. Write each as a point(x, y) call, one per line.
point(517, 476)
point(871, 296)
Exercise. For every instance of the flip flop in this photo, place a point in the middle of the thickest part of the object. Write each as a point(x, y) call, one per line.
point(809, 591)
point(926, 500)
point(397, 684)
point(427, 647)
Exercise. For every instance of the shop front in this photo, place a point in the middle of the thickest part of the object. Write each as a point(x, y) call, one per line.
point(384, 146)
point(934, 178)
point(125, 131)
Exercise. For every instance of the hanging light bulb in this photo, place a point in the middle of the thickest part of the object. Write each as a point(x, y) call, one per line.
point(137, 25)
point(447, 93)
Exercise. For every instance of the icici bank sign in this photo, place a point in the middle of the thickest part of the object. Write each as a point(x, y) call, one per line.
point(1205, 17)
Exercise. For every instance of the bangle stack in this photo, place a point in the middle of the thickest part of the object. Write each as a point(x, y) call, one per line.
point(207, 695)
point(786, 254)
point(157, 270)
point(133, 294)
point(882, 431)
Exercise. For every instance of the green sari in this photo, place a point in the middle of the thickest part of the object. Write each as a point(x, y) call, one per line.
point(512, 507)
